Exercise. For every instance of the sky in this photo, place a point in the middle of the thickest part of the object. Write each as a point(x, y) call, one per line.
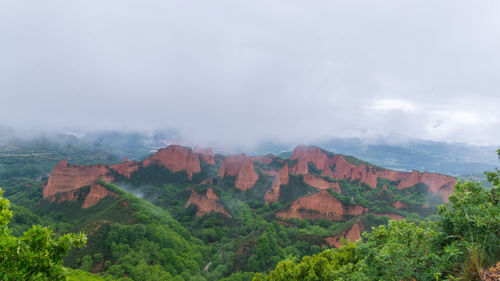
point(241, 72)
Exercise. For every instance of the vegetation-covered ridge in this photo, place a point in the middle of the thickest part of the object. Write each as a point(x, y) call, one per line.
point(215, 217)
point(459, 245)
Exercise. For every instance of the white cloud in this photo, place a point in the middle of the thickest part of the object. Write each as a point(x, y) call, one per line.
point(388, 104)
point(289, 70)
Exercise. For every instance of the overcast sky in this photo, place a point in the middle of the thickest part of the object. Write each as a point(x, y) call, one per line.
point(245, 71)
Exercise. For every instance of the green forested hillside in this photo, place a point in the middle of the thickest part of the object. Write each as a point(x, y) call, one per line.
point(148, 231)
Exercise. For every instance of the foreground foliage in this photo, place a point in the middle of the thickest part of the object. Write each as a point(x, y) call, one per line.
point(465, 239)
point(36, 255)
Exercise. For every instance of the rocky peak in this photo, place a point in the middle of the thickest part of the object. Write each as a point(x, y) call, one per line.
point(126, 168)
point(266, 159)
point(206, 203)
point(306, 154)
point(242, 168)
point(66, 178)
point(353, 235)
point(206, 154)
point(320, 183)
point(96, 194)
point(321, 205)
point(176, 158)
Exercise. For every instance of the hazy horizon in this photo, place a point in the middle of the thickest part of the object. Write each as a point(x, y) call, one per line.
point(240, 74)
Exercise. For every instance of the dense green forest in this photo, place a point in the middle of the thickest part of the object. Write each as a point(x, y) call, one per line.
point(148, 233)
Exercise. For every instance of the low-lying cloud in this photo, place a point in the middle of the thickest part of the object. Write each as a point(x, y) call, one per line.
point(242, 73)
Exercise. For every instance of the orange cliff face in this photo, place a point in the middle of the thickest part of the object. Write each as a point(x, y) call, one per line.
point(65, 178)
point(321, 205)
point(439, 184)
point(206, 203)
point(399, 205)
point(320, 183)
point(242, 167)
point(126, 168)
point(336, 167)
point(176, 158)
point(96, 194)
point(206, 154)
point(306, 154)
point(280, 177)
point(266, 159)
point(353, 235)
point(273, 194)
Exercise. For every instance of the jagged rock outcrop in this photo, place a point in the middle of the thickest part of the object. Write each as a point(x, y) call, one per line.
point(242, 168)
point(321, 205)
point(305, 154)
point(176, 158)
point(206, 154)
point(342, 169)
point(96, 194)
point(280, 177)
point(399, 205)
point(247, 177)
point(320, 183)
point(65, 178)
point(266, 159)
point(273, 194)
point(353, 235)
point(283, 173)
point(126, 168)
point(439, 184)
point(206, 203)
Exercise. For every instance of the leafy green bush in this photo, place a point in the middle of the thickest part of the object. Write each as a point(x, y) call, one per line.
point(37, 255)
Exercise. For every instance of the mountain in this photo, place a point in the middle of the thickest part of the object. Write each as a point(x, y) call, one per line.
point(231, 214)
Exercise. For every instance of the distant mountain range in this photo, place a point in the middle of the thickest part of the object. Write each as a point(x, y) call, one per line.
point(457, 159)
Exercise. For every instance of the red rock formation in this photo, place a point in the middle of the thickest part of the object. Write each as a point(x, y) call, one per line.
point(247, 177)
point(242, 167)
point(206, 203)
point(321, 205)
point(207, 181)
point(96, 194)
point(283, 173)
point(346, 170)
point(232, 165)
point(266, 159)
point(176, 158)
point(399, 205)
point(353, 234)
point(65, 178)
point(206, 154)
point(126, 168)
point(306, 154)
point(280, 177)
point(327, 172)
point(72, 195)
point(439, 184)
point(273, 194)
point(320, 183)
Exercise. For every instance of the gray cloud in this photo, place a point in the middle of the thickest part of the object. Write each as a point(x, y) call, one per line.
point(238, 73)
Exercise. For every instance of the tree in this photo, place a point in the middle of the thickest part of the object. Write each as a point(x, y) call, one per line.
point(458, 246)
point(37, 254)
